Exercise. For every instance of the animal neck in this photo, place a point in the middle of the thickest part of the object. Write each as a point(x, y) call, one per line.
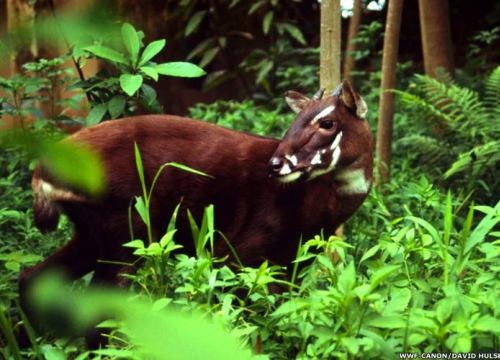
point(353, 180)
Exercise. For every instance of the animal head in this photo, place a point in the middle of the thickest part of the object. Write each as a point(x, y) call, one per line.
point(328, 133)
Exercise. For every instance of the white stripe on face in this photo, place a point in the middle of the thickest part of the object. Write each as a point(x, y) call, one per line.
point(336, 141)
point(292, 159)
point(285, 170)
point(316, 160)
point(325, 112)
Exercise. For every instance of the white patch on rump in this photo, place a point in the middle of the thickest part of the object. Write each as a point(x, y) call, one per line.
point(48, 191)
point(325, 112)
point(353, 181)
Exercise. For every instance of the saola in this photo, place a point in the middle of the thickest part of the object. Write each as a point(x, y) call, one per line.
point(267, 193)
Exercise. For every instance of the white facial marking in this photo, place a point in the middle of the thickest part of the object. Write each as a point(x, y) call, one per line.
point(285, 170)
point(353, 181)
point(325, 112)
point(336, 141)
point(292, 159)
point(333, 163)
point(316, 159)
point(290, 177)
point(51, 193)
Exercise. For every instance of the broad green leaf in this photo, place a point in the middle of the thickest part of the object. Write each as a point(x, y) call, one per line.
point(130, 83)
point(141, 208)
point(74, 164)
point(106, 53)
point(194, 22)
point(96, 114)
point(116, 106)
point(382, 274)
point(487, 323)
point(180, 68)
point(266, 23)
point(131, 41)
point(150, 71)
point(166, 334)
point(136, 244)
point(387, 322)
point(371, 252)
point(347, 279)
point(152, 50)
point(291, 306)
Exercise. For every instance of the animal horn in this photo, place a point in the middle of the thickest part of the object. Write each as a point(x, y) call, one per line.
point(319, 94)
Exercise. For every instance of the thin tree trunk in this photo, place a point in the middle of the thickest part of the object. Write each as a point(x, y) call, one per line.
point(389, 62)
point(351, 45)
point(22, 15)
point(436, 36)
point(329, 59)
point(330, 44)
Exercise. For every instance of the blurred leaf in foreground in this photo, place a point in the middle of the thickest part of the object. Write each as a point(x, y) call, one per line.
point(157, 334)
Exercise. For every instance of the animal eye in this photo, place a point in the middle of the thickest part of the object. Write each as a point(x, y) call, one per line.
point(326, 124)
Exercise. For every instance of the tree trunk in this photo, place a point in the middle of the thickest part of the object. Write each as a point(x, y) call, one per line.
point(21, 15)
point(389, 62)
point(351, 45)
point(330, 45)
point(329, 58)
point(436, 36)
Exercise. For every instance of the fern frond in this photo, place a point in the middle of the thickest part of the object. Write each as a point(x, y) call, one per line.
point(430, 150)
point(477, 160)
point(462, 105)
point(422, 104)
point(492, 95)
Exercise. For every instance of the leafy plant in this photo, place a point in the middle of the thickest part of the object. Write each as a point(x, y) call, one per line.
point(111, 93)
point(463, 132)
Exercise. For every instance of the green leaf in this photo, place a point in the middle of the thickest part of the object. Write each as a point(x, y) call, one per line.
point(347, 279)
point(208, 56)
point(266, 23)
point(141, 208)
point(180, 68)
point(188, 169)
point(387, 322)
point(116, 106)
point(294, 32)
point(131, 41)
point(106, 53)
point(382, 274)
point(150, 71)
point(130, 83)
point(74, 164)
point(96, 114)
point(152, 50)
point(136, 244)
point(194, 22)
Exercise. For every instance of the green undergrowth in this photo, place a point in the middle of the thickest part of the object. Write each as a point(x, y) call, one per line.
point(416, 271)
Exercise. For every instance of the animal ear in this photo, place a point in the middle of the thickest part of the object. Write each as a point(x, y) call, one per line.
point(351, 99)
point(296, 100)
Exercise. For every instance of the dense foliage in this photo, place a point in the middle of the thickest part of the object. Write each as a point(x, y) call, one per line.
point(417, 269)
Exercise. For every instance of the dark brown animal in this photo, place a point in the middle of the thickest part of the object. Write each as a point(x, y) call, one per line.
point(267, 193)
